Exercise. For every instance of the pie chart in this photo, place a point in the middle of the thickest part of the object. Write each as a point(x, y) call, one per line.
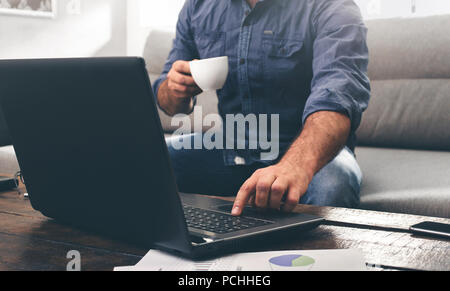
point(292, 261)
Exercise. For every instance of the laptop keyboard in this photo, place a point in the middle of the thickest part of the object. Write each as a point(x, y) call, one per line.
point(218, 222)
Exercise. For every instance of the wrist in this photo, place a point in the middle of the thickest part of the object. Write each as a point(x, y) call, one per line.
point(304, 168)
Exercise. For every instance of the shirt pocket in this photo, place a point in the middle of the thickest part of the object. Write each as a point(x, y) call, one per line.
point(210, 44)
point(283, 60)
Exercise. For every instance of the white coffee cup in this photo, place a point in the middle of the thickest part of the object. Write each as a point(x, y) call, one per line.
point(210, 74)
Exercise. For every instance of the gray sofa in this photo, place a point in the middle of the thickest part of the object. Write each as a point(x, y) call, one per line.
point(404, 138)
point(405, 134)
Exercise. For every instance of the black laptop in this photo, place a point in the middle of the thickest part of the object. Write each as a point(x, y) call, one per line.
point(92, 152)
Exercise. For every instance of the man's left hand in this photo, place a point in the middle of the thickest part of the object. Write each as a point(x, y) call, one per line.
point(267, 187)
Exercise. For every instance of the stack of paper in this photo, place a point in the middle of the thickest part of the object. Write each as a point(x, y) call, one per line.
point(317, 260)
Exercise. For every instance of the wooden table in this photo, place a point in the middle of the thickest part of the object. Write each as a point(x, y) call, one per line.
point(29, 241)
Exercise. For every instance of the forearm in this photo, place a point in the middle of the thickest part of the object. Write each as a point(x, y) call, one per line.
point(324, 135)
point(170, 104)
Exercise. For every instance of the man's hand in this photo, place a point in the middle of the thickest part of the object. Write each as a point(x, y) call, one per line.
point(176, 93)
point(322, 138)
point(267, 187)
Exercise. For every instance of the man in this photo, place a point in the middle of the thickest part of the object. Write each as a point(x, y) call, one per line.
point(305, 60)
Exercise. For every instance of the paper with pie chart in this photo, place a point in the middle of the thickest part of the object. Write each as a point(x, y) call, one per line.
point(291, 262)
point(316, 260)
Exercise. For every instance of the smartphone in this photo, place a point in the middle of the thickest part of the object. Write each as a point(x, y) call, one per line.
point(431, 228)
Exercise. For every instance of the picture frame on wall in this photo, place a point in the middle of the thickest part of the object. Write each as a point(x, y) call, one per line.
point(31, 8)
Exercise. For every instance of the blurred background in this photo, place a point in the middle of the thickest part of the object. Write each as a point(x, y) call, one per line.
point(120, 27)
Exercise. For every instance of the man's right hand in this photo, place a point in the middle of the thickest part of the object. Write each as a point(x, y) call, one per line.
point(175, 95)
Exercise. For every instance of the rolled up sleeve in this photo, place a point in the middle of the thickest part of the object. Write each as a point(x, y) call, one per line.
point(340, 62)
point(184, 47)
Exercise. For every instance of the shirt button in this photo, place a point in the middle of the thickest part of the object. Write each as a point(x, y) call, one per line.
point(242, 61)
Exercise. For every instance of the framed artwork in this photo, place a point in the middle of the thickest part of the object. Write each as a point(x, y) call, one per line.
point(33, 8)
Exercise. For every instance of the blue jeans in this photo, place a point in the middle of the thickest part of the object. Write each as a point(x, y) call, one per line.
point(203, 172)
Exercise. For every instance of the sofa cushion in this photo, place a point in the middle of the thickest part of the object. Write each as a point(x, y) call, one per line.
point(410, 72)
point(414, 48)
point(156, 50)
point(8, 161)
point(405, 181)
point(406, 114)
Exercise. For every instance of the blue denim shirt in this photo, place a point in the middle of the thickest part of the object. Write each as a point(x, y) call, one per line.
point(286, 57)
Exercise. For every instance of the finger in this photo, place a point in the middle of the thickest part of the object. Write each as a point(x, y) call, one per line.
point(182, 67)
point(246, 191)
point(182, 91)
point(279, 188)
point(263, 190)
point(251, 201)
point(181, 79)
point(292, 199)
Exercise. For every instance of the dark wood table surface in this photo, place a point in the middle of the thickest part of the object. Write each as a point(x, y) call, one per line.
point(30, 241)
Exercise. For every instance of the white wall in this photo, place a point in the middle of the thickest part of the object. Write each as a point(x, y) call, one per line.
point(136, 33)
point(145, 15)
point(375, 9)
point(99, 29)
